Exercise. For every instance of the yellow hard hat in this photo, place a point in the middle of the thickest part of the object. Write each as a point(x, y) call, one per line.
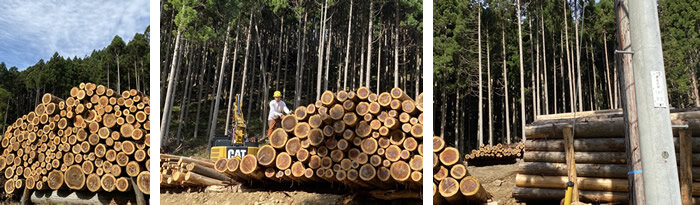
point(277, 94)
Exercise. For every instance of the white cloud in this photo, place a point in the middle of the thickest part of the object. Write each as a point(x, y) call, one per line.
point(32, 30)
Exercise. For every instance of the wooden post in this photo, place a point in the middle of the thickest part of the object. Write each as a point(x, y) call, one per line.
point(570, 161)
point(685, 170)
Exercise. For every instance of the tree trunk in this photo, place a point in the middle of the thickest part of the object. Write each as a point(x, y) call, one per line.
point(300, 61)
point(215, 114)
point(321, 44)
point(544, 65)
point(119, 87)
point(233, 76)
point(183, 102)
point(328, 53)
point(279, 58)
point(396, 46)
point(536, 75)
point(578, 66)
point(263, 72)
point(379, 59)
point(568, 59)
point(505, 86)
point(522, 74)
point(369, 41)
point(607, 70)
point(490, 92)
point(201, 89)
point(594, 106)
point(164, 125)
point(480, 120)
point(347, 49)
point(247, 52)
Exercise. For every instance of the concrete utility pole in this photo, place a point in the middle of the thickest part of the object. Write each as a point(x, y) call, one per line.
point(661, 184)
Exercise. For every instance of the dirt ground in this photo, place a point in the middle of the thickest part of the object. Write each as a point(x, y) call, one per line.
point(271, 198)
point(498, 180)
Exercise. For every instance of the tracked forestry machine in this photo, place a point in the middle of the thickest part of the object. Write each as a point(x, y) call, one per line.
point(236, 142)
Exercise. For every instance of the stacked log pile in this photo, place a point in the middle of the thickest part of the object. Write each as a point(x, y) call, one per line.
point(498, 154)
point(178, 171)
point(361, 139)
point(599, 144)
point(96, 140)
point(452, 183)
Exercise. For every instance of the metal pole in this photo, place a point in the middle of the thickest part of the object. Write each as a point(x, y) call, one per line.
point(656, 138)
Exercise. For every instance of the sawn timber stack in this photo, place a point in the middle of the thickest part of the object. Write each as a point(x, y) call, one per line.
point(94, 140)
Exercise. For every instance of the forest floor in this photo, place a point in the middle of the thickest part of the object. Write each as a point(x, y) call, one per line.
point(498, 180)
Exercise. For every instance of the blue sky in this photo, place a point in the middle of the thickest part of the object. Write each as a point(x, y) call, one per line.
point(33, 30)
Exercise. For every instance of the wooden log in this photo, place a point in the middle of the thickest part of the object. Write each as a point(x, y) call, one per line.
point(584, 183)
point(449, 189)
point(336, 112)
point(581, 157)
point(544, 194)
point(203, 180)
point(408, 107)
point(472, 190)
point(374, 108)
point(570, 161)
point(55, 179)
point(122, 184)
point(249, 166)
point(289, 122)
point(278, 138)
point(395, 105)
point(363, 129)
point(302, 130)
point(266, 155)
point(400, 171)
point(74, 177)
point(616, 144)
point(143, 182)
point(107, 182)
point(315, 121)
point(458, 171)
point(398, 93)
point(362, 108)
point(449, 156)
point(363, 93)
point(93, 183)
point(300, 113)
point(350, 119)
point(384, 99)
point(283, 161)
point(328, 98)
point(417, 130)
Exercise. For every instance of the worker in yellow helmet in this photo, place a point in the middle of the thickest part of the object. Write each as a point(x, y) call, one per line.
point(277, 109)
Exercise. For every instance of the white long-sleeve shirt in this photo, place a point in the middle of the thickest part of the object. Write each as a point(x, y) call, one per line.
point(277, 109)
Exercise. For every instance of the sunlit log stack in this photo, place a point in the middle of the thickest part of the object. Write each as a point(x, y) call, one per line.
point(95, 140)
point(452, 183)
point(361, 139)
point(178, 171)
point(500, 153)
point(599, 152)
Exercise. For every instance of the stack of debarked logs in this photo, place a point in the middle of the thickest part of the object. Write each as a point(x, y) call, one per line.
point(452, 183)
point(96, 140)
point(360, 139)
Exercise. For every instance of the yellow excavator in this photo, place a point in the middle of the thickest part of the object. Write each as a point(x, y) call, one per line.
point(236, 144)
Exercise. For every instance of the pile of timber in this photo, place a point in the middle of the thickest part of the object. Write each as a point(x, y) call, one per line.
point(452, 183)
point(361, 139)
point(498, 154)
point(96, 140)
point(599, 154)
point(179, 171)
